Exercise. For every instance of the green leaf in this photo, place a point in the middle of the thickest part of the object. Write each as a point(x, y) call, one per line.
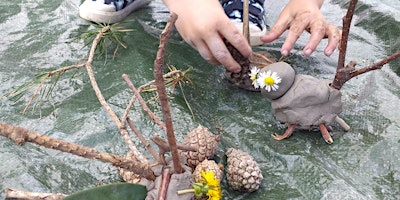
point(115, 191)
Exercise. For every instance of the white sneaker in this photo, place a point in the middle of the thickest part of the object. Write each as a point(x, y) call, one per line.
point(234, 10)
point(109, 11)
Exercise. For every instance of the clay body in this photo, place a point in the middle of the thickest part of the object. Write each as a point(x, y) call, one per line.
point(308, 103)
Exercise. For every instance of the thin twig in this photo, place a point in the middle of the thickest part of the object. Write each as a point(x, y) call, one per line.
point(167, 75)
point(103, 102)
point(143, 103)
point(139, 89)
point(162, 93)
point(66, 68)
point(345, 33)
point(165, 179)
point(246, 30)
point(377, 65)
point(127, 109)
point(142, 139)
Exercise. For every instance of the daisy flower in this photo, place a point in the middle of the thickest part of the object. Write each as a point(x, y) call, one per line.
point(253, 76)
point(208, 186)
point(269, 80)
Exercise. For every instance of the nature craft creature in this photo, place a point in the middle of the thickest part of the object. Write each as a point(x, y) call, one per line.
point(300, 101)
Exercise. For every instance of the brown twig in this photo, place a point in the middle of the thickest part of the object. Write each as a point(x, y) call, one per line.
point(164, 147)
point(142, 139)
point(165, 179)
point(341, 75)
point(345, 73)
point(345, 33)
point(162, 93)
point(140, 89)
point(143, 103)
point(325, 134)
point(246, 30)
point(100, 97)
point(21, 135)
point(18, 194)
point(377, 65)
point(66, 68)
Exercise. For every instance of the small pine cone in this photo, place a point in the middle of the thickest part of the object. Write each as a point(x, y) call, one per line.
point(243, 172)
point(204, 141)
point(207, 166)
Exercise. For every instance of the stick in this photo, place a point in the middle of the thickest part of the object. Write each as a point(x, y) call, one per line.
point(166, 178)
point(142, 139)
point(246, 30)
point(18, 194)
point(162, 93)
point(345, 33)
point(377, 65)
point(121, 127)
point(21, 135)
point(342, 123)
point(139, 89)
point(143, 103)
point(340, 77)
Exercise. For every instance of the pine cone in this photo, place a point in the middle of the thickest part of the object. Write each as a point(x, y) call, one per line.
point(207, 166)
point(242, 172)
point(204, 141)
point(242, 79)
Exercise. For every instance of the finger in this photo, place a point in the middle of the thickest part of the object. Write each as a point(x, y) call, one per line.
point(222, 55)
point(237, 39)
point(205, 52)
point(334, 35)
point(317, 31)
point(295, 30)
point(277, 30)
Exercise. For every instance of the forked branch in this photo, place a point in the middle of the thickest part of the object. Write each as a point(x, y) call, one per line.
point(345, 73)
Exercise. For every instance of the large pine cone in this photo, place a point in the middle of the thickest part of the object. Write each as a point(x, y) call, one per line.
point(204, 141)
point(207, 166)
point(243, 172)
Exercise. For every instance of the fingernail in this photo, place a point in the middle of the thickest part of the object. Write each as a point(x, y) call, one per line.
point(329, 52)
point(284, 52)
point(308, 52)
point(236, 70)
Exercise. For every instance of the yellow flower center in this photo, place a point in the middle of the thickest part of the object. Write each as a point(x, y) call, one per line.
point(269, 81)
point(253, 77)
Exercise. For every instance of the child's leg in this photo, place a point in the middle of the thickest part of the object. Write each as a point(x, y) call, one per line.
point(234, 10)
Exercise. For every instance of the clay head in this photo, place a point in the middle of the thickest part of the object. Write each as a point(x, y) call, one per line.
point(274, 80)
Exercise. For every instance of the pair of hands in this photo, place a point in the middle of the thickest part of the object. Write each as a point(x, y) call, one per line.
point(203, 24)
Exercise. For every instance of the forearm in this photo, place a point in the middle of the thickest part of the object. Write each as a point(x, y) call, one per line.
point(303, 2)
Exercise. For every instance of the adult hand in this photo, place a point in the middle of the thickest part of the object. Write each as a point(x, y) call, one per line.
point(203, 24)
point(300, 15)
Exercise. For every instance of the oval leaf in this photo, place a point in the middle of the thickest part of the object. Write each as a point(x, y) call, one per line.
point(115, 191)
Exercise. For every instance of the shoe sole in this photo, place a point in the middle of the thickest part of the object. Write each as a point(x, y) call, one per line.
point(87, 12)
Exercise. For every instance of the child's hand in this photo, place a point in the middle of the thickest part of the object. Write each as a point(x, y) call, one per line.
point(300, 15)
point(203, 24)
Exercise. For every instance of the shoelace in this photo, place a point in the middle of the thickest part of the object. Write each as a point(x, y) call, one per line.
point(119, 4)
